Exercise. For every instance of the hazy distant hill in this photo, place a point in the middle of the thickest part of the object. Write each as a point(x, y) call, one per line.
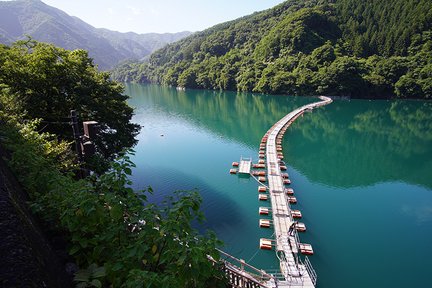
point(49, 24)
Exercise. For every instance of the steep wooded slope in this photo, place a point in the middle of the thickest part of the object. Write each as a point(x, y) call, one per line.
point(335, 47)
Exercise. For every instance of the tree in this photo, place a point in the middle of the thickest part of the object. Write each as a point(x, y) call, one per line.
point(324, 55)
point(426, 80)
point(343, 77)
point(407, 87)
point(49, 81)
point(187, 79)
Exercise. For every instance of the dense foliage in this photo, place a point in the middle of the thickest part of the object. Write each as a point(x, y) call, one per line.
point(113, 233)
point(47, 82)
point(124, 240)
point(333, 47)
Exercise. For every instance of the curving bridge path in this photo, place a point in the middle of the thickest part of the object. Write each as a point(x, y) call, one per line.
point(294, 271)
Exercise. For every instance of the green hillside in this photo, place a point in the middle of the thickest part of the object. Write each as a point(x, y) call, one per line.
point(373, 49)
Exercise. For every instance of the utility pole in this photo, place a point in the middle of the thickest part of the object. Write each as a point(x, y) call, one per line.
point(76, 135)
point(84, 144)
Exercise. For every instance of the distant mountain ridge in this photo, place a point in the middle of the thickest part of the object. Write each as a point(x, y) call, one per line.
point(48, 24)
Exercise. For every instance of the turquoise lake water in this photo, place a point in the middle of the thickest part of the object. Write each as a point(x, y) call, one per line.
point(361, 171)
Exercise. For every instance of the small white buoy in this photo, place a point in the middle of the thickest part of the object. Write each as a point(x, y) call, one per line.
point(264, 223)
point(292, 199)
point(301, 227)
point(289, 191)
point(296, 214)
point(306, 249)
point(263, 210)
point(265, 244)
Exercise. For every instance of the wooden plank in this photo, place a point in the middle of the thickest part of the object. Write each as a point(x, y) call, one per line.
point(245, 166)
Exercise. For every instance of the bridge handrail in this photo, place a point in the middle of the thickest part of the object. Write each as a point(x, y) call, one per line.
point(311, 270)
point(242, 263)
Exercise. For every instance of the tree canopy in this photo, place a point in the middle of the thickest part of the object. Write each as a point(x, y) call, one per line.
point(47, 82)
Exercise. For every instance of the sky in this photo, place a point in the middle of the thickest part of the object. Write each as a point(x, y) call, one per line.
point(160, 16)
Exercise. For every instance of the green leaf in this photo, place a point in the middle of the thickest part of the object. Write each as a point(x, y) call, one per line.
point(81, 285)
point(83, 243)
point(97, 251)
point(82, 276)
point(128, 171)
point(117, 266)
point(99, 272)
point(74, 249)
point(132, 252)
point(181, 260)
point(96, 283)
point(116, 212)
point(92, 267)
point(154, 249)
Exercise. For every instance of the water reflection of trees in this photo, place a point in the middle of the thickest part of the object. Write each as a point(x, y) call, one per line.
point(241, 117)
point(361, 143)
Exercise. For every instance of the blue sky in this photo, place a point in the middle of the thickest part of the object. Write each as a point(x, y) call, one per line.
point(143, 16)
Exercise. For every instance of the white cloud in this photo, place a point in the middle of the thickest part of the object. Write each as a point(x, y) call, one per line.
point(154, 12)
point(135, 10)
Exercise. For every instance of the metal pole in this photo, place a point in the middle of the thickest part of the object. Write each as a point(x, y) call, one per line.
point(76, 135)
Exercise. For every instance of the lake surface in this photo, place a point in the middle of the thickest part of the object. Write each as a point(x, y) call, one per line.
point(361, 171)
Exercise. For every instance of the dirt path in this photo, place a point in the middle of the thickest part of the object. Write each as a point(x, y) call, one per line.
point(26, 257)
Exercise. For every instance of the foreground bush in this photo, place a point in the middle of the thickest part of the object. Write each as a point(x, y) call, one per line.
point(114, 233)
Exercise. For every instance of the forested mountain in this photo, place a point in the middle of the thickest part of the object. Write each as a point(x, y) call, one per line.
point(48, 24)
point(374, 49)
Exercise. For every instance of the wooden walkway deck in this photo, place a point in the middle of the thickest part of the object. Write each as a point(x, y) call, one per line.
point(245, 166)
point(295, 273)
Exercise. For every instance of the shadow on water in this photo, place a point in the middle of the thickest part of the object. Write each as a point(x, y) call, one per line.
point(161, 180)
point(230, 212)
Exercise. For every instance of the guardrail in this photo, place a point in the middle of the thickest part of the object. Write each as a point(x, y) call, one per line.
point(243, 266)
point(310, 270)
point(241, 274)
